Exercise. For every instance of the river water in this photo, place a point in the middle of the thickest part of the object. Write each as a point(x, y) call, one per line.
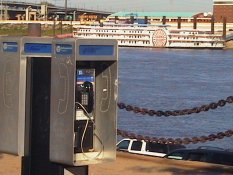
point(173, 79)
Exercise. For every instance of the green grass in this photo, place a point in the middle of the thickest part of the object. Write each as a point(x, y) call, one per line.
point(22, 30)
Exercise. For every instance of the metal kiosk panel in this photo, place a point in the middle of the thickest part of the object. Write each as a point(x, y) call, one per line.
point(80, 133)
point(12, 97)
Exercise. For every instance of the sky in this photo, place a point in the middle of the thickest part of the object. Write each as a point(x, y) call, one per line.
point(141, 5)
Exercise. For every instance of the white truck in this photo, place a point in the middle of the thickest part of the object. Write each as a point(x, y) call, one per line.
point(146, 148)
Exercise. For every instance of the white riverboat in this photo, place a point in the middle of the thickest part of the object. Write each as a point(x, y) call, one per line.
point(151, 36)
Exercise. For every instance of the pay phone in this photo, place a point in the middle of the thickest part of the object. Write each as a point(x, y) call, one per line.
point(83, 101)
point(84, 110)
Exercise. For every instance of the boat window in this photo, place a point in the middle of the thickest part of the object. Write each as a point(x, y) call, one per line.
point(156, 147)
point(123, 145)
point(136, 146)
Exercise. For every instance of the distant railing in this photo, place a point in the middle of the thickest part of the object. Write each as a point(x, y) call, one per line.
point(174, 113)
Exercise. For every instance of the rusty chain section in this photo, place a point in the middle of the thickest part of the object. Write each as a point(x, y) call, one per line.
point(160, 113)
point(176, 141)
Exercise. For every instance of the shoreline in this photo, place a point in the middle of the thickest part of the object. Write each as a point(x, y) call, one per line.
point(229, 45)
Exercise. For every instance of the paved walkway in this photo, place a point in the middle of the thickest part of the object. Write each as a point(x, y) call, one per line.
point(130, 164)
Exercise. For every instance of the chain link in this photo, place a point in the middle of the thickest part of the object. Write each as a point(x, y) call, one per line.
point(176, 141)
point(202, 108)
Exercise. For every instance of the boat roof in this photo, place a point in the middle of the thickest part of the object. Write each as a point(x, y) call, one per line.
point(155, 14)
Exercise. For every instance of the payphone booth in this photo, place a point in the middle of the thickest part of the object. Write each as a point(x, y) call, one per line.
point(25, 72)
point(37, 52)
point(12, 97)
point(84, 91)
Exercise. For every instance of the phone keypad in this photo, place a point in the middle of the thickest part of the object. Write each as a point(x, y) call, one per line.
point(84, 99)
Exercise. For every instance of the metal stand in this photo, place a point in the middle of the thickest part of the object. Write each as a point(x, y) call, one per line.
point(82, 170)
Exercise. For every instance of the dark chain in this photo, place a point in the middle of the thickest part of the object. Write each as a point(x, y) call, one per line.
point(176, 141)
point(203, 108)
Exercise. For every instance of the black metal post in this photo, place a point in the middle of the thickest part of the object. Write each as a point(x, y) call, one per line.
point(146, 20)
point(179, 23)
point(224, 31)
point(212, 25)
point(54, 27)
point(195, 23)
point(80, 170)
point(131, 19)
point(61, 27)
point(71, 26)
point(116, 19)
point(164, 20)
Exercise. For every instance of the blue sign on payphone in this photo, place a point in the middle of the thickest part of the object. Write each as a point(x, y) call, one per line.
point(37, 48)
point(10, 46)
point(96, 50)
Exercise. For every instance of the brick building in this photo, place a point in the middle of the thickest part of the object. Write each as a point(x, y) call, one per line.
point(223, 8)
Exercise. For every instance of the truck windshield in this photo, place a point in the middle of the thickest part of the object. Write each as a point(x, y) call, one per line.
point(123, 145)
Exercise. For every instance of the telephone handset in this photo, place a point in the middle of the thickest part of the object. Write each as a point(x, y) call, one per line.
point(85, 96)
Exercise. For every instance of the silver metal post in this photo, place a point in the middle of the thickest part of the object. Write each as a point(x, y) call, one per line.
point(65, 9)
